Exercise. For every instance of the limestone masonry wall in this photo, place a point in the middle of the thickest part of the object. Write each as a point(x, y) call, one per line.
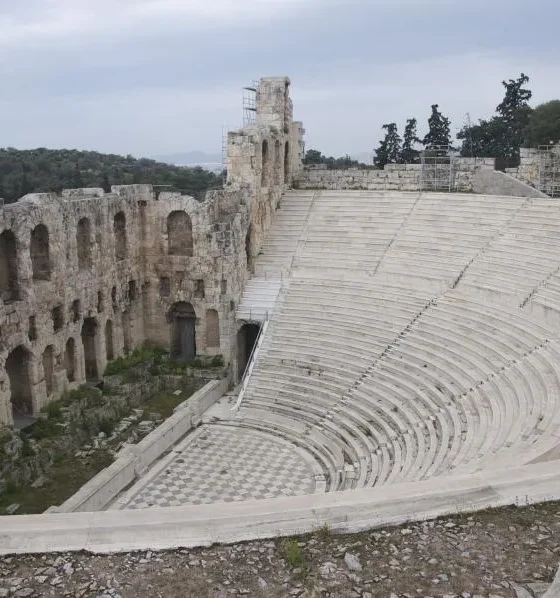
point(87, 276)
point(396, 177)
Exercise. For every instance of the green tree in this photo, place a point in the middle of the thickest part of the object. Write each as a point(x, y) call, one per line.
point(439, 129)
point(313, 156)
point(389, 148)
point(543, 127)
point(514, 110)
point(410, 138)
point(41, 170)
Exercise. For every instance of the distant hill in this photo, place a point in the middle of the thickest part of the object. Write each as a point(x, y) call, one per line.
point(192, 158)
point(41, 170)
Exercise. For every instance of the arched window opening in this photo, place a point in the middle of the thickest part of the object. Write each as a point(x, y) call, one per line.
point(212, 329)
point(8, 267)
point(179, 234)
point(89, 341)
point(18, 366)
point(119, 230)
point(109, 346)
point(39, 249)
point(83, 243)
point(70, 359)
point(264, 164)
point(287, 163)
point(182, 319)
point(48, 369)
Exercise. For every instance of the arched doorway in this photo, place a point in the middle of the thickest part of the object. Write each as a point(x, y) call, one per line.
point(8, 266)
point(89, 341)
point(39, 250)
point(48, 369)
point(109, 347)
point(70, 359)
point(182, 319)
point(287, 163)
point(18, 368)
point(246, 339)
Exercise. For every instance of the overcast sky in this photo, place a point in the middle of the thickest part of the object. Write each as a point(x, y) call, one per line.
point(150, 77)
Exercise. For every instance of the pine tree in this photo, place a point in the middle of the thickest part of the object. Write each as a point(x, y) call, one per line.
point(389, 148)
point(410, 139)
point(439, 129)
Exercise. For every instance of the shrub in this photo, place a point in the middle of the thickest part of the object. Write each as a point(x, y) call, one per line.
point(293, 553)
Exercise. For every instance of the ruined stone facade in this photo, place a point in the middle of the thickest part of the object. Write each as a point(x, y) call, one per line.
point(88, 276)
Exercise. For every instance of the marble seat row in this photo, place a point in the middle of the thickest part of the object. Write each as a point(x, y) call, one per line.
point(389, 359)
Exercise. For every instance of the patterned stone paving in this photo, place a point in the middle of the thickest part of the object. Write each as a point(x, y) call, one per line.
point(223, 464)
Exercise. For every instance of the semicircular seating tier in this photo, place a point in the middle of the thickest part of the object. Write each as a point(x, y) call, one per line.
point(413, 334)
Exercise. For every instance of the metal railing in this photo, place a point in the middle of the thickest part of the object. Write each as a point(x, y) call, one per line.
point(255, 351)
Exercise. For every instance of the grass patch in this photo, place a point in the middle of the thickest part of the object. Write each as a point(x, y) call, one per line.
point(67, 476)
point(122, 364)
point(164, 402)
point(293, 554)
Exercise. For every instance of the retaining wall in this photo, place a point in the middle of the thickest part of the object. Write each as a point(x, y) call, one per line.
point(133, 460)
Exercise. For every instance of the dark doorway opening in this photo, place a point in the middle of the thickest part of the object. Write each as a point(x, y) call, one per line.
point(89, 341)
point(18, 369)
point(182, 319)
point(246, 340)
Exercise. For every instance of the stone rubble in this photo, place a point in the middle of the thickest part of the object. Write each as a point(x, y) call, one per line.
point(505, 553)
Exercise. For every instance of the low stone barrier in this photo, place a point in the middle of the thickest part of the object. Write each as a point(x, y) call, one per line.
point(134, 459)
point(346, 512)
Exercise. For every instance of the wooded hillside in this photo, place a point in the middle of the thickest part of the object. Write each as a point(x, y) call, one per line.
point(41, 170)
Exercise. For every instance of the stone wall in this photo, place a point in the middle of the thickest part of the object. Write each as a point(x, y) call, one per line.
point(396, 177)
point(86, 276)
point(539, 168)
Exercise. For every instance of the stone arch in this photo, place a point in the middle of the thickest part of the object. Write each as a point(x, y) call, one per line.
point(9, 284)
point(83, 243)
point(179, 234)
point(70, 359)
point(264, 163)
point(182, 320)
point(212, 329)
point(277, 163)
point(48, 369)
point(18, 368)
point(287, 162)
point(109, 343)
point(246, 339)
point(89, 341)
point(39, 250)
point(119, 230)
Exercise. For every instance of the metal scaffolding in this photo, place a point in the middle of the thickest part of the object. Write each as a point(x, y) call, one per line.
point(250, 104)
point(437, 169)
point(549, 170)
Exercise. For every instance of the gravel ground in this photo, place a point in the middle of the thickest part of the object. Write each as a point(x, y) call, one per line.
point(501, 553)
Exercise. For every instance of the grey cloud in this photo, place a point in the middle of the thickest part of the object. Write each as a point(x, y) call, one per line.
point(351, 62)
